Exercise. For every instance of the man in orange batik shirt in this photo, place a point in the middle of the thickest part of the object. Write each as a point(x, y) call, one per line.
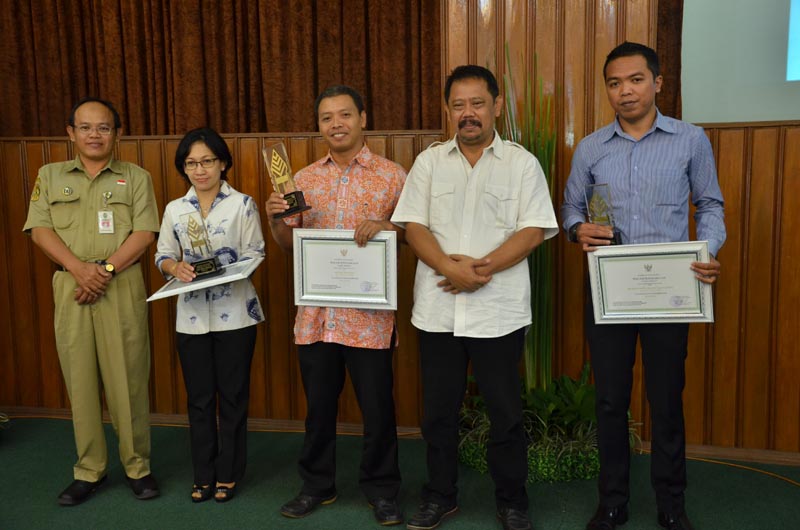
point(350, 188)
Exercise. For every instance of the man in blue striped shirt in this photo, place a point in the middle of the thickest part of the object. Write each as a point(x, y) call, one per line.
point(652, 165)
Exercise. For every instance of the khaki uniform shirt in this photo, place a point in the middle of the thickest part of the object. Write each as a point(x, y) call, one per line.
point(65, 199)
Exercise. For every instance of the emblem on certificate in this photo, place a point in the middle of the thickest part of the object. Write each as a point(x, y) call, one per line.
point(280, 173)
point(204, 261)
point(600, 209)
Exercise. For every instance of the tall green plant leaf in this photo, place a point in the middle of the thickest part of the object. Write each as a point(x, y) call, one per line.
point(533, 128)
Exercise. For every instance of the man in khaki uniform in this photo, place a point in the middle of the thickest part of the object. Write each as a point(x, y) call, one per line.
point(94, 217)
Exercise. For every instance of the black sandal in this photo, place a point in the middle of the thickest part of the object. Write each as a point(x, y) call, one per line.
point(205, 493)
point(224, 493)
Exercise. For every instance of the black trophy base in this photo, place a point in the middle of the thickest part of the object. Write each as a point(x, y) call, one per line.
point(207, 268)
point(297, 204)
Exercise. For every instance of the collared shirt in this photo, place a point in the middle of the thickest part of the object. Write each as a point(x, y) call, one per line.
point(67, 200)
point(472, 211)
point(234, 232)
point(650, 182)
point(368, 188)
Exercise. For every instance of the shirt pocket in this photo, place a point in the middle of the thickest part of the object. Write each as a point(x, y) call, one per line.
point(65, 211)
point(121, 205)
point(442, 202)
point(668, 186)
point(500, 206)
point(670, 194)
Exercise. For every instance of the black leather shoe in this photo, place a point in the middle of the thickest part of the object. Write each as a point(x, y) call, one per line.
point(386, 511)
point(78, 492)
point(514, 519)
point(303, 505)
point(429, 516)
point(674, 522)
point(144, 488)
point(606, 518)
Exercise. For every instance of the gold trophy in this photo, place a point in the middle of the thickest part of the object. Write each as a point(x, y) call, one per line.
point(206, 263)
point(280, 173)
point(600, 210)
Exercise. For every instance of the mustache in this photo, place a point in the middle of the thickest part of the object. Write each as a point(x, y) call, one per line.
point(469, 121)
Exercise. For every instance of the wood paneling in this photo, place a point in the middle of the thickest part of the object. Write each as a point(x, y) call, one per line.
point(29, 372)
point(742, 387)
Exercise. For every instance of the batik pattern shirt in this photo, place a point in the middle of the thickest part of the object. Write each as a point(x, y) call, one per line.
point(234, 234)
point(368, 188)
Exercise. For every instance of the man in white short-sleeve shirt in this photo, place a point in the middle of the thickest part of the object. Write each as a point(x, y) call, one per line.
point(474, 208)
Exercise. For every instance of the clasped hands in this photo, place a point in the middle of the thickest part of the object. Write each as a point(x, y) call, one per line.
point(92, 280)
point(592, 236)
point(464, 274)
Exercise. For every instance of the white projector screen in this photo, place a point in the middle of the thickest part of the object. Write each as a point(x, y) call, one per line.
point(738, 60)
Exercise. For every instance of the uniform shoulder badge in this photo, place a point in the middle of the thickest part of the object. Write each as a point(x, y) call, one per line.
point(36, 191)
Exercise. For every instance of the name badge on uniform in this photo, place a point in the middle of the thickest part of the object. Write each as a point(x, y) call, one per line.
point(105, 217)
point(105, 222)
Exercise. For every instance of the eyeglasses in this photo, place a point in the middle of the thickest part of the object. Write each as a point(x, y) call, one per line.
point(207, 163)
point(103, 130)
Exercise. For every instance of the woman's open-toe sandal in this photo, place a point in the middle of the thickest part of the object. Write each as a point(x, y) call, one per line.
point(201, 493)
point(224, 493)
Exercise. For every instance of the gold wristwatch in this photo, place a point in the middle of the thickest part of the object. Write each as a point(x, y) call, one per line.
point(109, 267)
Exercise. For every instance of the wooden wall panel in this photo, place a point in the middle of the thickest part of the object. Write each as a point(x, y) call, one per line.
point(742, 386)
point(30, 373)
point(729, 153)
point(785, 388)
point(761, 176)
point(739, 388)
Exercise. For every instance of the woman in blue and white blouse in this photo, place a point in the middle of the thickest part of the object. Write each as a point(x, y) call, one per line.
point(216, 326)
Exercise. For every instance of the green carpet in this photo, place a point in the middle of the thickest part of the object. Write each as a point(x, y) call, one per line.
point(37, 456)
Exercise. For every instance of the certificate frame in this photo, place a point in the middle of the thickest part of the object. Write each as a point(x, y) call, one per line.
point(330, 270)
point(230, 273)
point(663, 290)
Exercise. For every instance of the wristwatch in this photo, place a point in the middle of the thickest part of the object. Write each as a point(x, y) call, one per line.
point(572, 234)
point(109, 267)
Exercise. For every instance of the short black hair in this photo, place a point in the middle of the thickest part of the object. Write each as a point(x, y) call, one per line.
point(339, 90)
point(629, 49)
point(471, 71)
point(92, 99)
point(213, 141)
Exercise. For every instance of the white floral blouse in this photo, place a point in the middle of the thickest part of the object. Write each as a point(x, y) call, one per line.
point(234, 232)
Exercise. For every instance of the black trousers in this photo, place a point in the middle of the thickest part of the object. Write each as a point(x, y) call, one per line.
point(322, 366)
point(664, 349)
point(218, 364)
point(495, 364)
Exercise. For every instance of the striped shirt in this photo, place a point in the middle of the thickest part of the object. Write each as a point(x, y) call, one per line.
point(650, 182)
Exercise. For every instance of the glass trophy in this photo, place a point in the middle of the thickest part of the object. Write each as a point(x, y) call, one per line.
point(280, 172)
point(204, 261)
point(600, 209)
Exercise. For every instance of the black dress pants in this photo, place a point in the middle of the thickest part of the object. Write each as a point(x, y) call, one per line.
point(218, 364)
point(613, 351)
point(322, 366)
point(495, 364)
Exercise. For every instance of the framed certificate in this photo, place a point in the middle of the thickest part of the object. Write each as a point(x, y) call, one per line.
point(330, 270)
point(649, 284)
point(230, 273)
